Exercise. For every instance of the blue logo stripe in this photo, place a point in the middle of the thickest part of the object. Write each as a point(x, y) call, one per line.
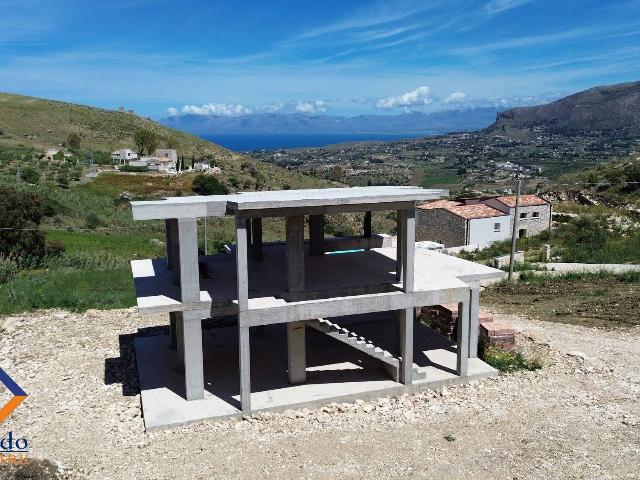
point(11, 385)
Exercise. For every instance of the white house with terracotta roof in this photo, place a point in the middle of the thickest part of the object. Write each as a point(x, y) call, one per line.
point(480, 222)
point(123, 155)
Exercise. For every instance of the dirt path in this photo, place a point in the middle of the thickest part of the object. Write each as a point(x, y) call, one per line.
point(579, 417)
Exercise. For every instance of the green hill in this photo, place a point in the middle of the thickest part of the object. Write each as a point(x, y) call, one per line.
point(41, 123)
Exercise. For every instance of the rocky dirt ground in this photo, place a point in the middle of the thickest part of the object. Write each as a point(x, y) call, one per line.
point(578, 417)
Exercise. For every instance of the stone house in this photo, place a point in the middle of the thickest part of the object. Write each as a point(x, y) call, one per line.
point(534, 213)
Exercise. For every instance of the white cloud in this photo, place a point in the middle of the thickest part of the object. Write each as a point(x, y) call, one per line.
point(221, 109)
point(318, 106)
point(455, 97)
point(419, 97)
point(497, 6)
point(172, 111)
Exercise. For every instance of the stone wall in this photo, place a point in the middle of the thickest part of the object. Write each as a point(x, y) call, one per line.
point(439, 225)
point(534, 225)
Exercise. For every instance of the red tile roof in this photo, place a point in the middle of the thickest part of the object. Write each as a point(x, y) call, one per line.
point(468, 212)
point(525, 201)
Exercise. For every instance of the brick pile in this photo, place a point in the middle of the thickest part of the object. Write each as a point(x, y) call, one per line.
point(444, 318)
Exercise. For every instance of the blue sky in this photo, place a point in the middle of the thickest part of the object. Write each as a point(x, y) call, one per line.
point(336, 57)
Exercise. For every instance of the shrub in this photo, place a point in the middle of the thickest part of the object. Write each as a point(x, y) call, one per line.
point(93, 221)
point(73, 140)
point(132, 168)
point(508, 362)
point(30, 175)
point(8, 269)
point(208, 185)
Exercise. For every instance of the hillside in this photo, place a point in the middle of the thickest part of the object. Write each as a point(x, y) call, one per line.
point(613, 110)
point(41, 123)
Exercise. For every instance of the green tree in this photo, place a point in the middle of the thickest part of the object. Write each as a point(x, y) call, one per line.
point(208, 185)
point(63, 181)
point(29, 175)
point(146, 140)
point(20, 215)
point(74, 141)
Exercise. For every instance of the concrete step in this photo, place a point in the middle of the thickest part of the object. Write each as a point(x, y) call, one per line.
point(358, 342)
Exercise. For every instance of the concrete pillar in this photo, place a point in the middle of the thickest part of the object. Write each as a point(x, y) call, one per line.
point(405, 327)
point(474, 324)
point(244, 347)
point(367, 224)
point(248, 227)
point(296, 352)
point(295, 253)
point(179, 342)
point(546, 252)
point(296, 348)
point(192, 351)
point(256, 238)
point(408, 249)
point(188, 257)
point(399, 243)
point(316, 235)
point(245, 367)
point(173, 316)
point(170, 233)
point(462, 363)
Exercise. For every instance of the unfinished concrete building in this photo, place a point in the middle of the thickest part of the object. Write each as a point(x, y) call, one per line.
point(302, 322)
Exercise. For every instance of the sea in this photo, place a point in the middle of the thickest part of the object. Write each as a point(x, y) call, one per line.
point(244, 142)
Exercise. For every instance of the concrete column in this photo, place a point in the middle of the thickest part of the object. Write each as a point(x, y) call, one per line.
point(180, 342)
point(295, 253)
point(245, 366)
point(188, 256)
point(242, 274)
point(192, 351)
point(462, 364)
point(367, 224)
point(296, 348)
point(296, 352)
point(256, 238)
point(173, 316)
point(474, 324)
point(405, 324)
point(399, 243)
point(244, 347)
point(248, 227)
point(408, 250)
point(316, 235)
point(170, 233)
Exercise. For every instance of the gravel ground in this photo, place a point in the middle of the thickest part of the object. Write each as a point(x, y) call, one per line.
point(578, 417)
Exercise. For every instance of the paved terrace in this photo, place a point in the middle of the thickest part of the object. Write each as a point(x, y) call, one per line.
point(299, 284)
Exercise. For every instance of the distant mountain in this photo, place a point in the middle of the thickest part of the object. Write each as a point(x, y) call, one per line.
point(292, 123)
point(612, 110)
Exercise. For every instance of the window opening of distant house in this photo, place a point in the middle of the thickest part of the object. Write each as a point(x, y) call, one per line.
point(535, 214)
point(496, 227)
point(523, 215)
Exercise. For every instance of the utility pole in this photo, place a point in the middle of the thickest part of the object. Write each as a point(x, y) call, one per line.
point(514, 232)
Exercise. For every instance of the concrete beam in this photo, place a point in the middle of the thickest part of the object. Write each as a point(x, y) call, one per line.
point(474, 324)
point(462, 362)
point(316, 235)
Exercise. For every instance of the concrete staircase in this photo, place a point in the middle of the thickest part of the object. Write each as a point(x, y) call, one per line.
point(352, 339)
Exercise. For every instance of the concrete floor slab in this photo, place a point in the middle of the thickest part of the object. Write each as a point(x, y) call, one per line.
point(335, 371)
